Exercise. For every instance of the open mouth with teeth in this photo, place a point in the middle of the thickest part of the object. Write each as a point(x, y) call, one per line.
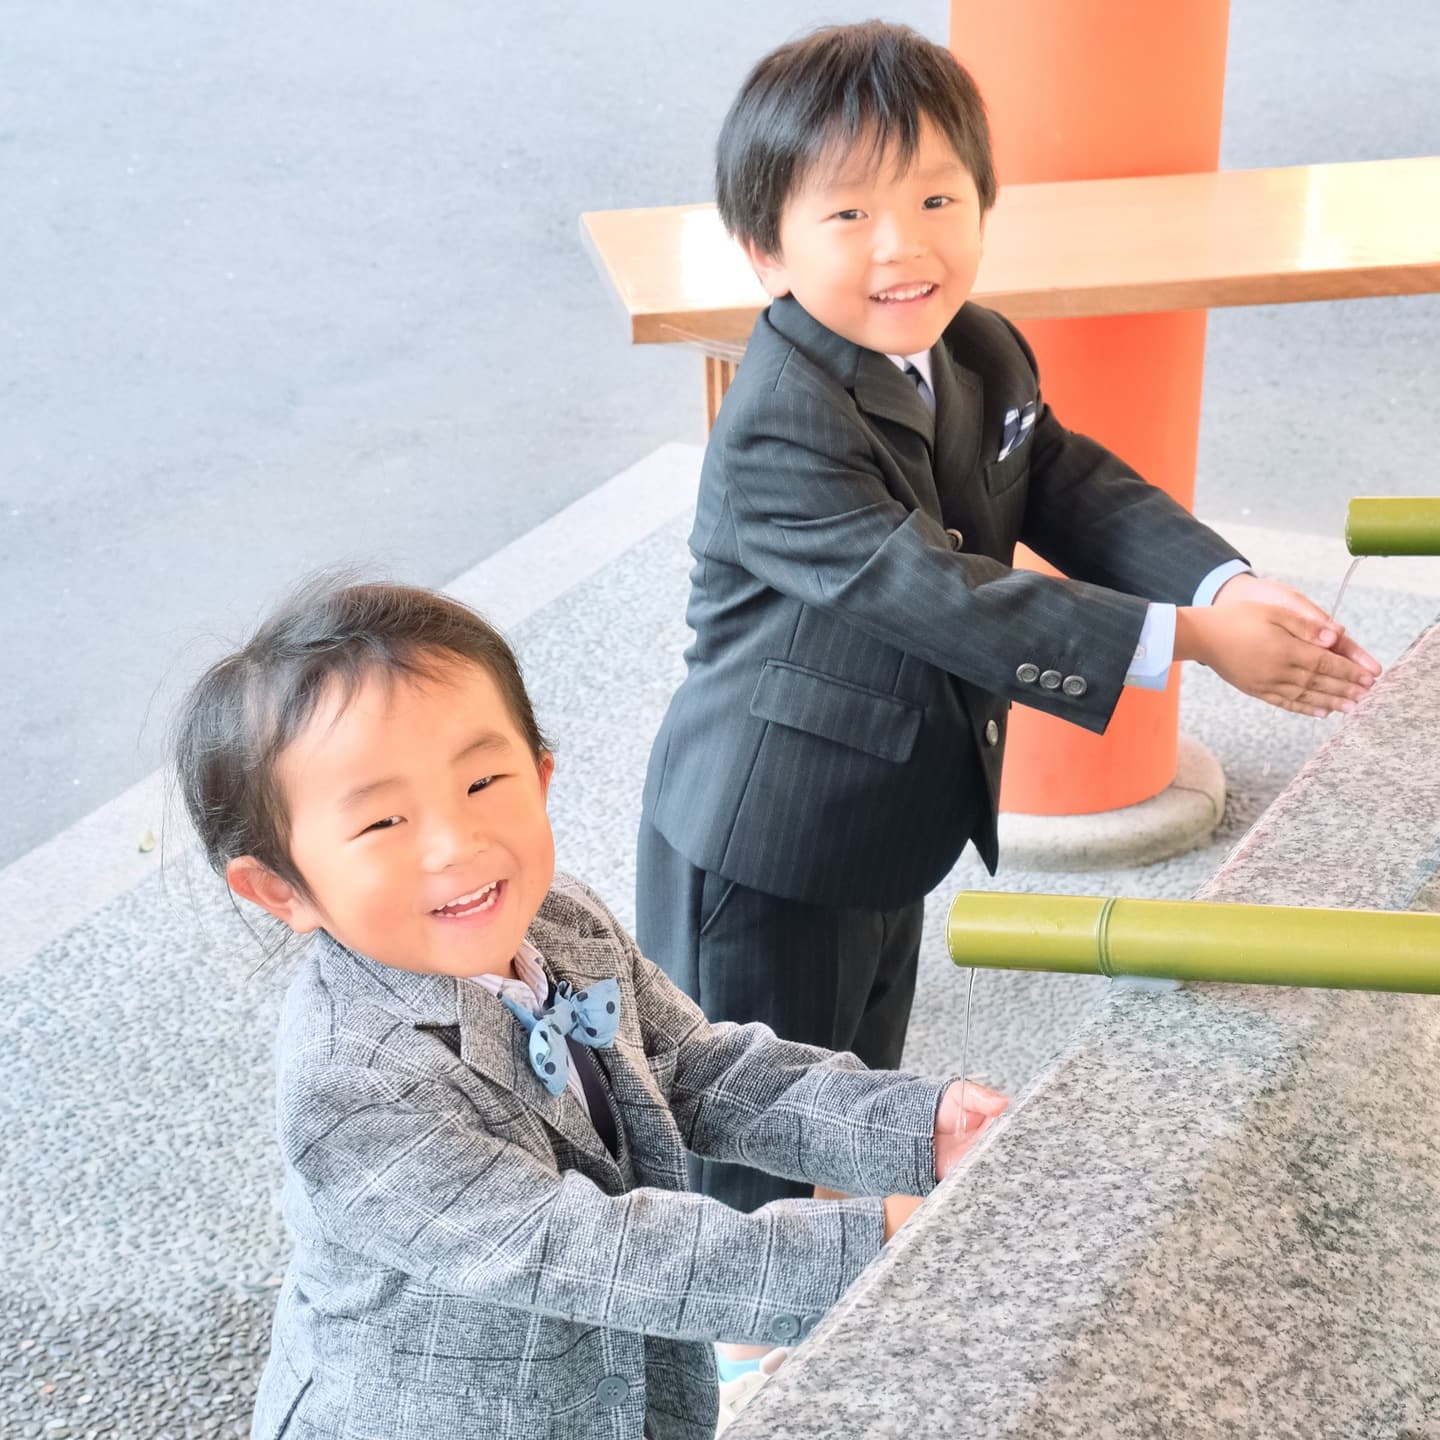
point(477, 902)
point(905, 294)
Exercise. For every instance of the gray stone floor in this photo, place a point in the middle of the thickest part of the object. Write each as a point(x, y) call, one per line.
point(136, 1288)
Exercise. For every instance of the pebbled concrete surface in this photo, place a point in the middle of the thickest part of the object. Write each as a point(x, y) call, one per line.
point(139, 1141)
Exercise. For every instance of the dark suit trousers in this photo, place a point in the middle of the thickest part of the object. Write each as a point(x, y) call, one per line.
point(841, 979)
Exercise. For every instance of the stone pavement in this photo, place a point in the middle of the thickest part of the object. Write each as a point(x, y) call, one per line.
point(136, 1018)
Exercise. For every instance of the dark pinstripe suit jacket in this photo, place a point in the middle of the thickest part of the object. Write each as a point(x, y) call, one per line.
point(858, 628)
point(471, 1262)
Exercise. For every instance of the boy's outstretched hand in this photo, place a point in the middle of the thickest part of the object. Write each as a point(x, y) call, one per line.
point(956, 1130)
point(1272, 642)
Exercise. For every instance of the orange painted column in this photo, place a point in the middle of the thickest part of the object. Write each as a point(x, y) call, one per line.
point(1081, 90)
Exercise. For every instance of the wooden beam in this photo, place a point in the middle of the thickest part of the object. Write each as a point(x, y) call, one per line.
point(1086, 247)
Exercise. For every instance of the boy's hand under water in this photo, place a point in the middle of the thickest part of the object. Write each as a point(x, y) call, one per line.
point(956, 1130)
point(1274, 643)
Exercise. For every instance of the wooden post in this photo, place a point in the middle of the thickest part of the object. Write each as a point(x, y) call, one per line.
point(718, 375)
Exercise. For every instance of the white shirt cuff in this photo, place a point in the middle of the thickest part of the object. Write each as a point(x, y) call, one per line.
point(1206, 590)
point(1155, 651)
point(1150, 669)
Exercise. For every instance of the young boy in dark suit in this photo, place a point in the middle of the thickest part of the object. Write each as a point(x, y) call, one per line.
point(859, 630)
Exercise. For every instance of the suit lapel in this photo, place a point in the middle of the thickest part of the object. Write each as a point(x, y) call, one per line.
point(964, 502)
point(882, 388)
point(500, 1047)
point(492, 1042)
point(582, 962)
point(879, 386)
point(959, 407)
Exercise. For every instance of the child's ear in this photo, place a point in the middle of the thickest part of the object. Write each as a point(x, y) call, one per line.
point(769, 269)
point(261, 886)
point(545, 766)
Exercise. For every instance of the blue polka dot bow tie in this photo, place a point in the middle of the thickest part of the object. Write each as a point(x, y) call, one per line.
point(590, 1017)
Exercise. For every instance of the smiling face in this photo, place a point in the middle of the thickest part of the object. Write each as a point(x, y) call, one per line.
point(417, 819)
point(881, 254)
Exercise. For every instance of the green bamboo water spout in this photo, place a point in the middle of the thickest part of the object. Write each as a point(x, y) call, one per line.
point(1393, 525)
point(1194, 940)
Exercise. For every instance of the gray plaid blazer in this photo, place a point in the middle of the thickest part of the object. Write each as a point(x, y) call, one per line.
point(469, 1259)
point(859, 633)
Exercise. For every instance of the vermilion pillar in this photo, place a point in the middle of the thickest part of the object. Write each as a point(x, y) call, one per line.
point(1081, 90)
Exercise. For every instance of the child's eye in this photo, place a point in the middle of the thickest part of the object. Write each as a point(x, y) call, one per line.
point(848, 214)
point(388, 823)
point(483, 783)
point(937, 202)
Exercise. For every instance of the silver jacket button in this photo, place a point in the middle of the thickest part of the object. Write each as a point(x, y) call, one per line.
point(992, 733)
point(1028, 674)
point(1051, 679)
point(956, 539)
point(1076, 685)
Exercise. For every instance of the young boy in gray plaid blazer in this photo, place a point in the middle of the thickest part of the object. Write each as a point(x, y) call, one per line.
point(485, 1094)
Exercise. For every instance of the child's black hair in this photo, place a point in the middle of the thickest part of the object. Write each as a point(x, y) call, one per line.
point(870, 84)
point(237, 719)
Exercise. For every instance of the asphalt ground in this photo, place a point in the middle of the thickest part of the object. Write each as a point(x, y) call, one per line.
point(286, 285)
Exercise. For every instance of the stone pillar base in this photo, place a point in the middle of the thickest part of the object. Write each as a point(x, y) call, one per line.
point(1181, 817)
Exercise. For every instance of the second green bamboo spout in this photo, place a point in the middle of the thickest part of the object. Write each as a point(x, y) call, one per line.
point(1192, 940)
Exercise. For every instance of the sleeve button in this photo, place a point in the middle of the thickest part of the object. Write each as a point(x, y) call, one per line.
point(992, 733)
point(1076, 685)
point(785, 1327)
point(612, 1392)
point(1027, 674)
point(1050, 680)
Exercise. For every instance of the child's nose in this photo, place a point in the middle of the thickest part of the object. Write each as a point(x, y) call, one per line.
point(452, 840)
point(896, 240)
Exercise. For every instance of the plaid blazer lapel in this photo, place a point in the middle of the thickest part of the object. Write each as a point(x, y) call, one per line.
point(492, 1041)
point(494, 1044)
point(643, 1111)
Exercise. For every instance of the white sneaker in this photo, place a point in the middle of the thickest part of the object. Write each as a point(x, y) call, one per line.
point(736, 1394)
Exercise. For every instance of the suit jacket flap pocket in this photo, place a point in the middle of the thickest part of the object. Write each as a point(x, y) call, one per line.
point(837, 710)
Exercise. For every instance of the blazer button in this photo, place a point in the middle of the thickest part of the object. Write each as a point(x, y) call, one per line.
point(784, 1327)
point(1028, 674)
point(612, 1392)
point(956, 539)
point(992, 733)
point(1076, 685)
point(1051, 679)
